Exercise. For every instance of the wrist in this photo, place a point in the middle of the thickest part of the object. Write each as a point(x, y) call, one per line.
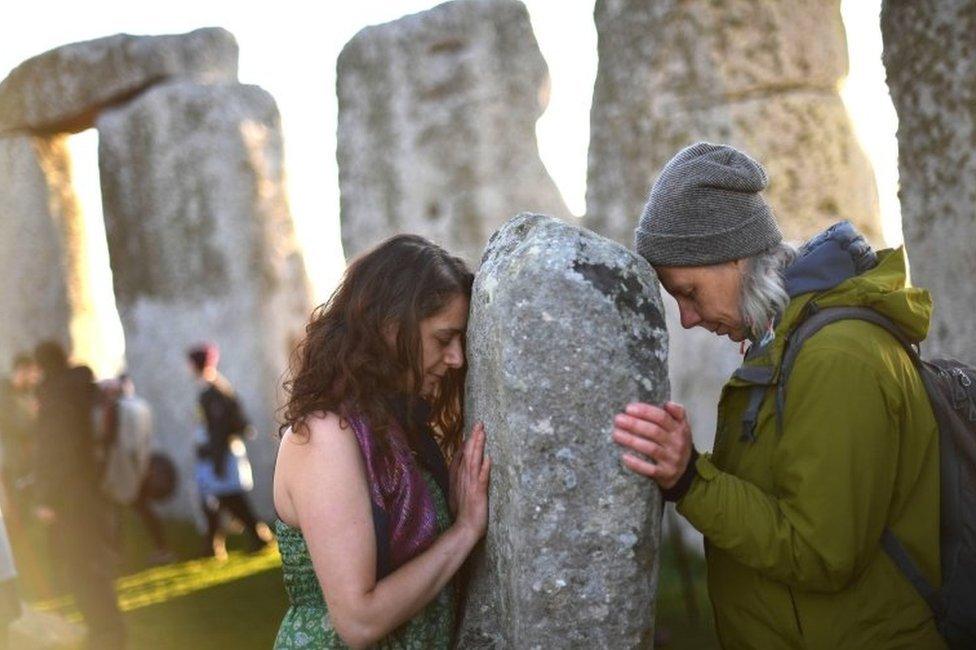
point(683, 484)
point(467, 534)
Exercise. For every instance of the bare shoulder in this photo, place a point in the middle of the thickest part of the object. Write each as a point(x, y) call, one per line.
point(317, 429)
point(309, 460)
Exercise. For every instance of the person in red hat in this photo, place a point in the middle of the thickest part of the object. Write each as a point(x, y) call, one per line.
point(223, 472)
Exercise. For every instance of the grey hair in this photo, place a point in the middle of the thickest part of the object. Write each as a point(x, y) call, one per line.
point(764, 296)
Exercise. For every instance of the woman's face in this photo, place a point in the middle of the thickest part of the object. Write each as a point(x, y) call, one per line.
point(708, 296)
point(441, 337)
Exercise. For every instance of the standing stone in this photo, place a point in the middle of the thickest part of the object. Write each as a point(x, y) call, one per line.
point(202, 248)
point(758, 75)
point(930, 57)
point(46, 292)
point(437, 116)
point(566, 328)
point(63, 89)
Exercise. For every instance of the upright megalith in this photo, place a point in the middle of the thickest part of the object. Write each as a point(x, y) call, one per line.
point(62, 90)
point(758, 75)
point(46, 292)
point(437, 116)
point(566, 327)
point(202, 247)
point(930, 58)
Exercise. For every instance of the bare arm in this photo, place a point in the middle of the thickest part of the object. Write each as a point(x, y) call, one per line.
point(326, 485)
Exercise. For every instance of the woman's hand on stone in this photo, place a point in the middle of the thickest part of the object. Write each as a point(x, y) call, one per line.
point(472, 483)
point(661, 434)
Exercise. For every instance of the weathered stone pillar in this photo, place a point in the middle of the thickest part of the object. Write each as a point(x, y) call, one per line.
point(758, 75)
point(437, 116)
point(761, 76)
point(46, 292)
point(930, 57)
point(202, 248)
point(49, 291)
point(566, 328)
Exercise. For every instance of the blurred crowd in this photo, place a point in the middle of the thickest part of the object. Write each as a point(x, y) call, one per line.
point(76, 454)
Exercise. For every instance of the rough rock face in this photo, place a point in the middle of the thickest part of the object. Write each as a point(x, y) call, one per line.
point(930, 57)
point(202, 248)
point(437, 116)
point(566, 328)
point(63, 89)
point(41, 247)
point(759, 75)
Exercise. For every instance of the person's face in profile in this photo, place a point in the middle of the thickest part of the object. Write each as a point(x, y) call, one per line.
point(708, 296)
point(442, 342)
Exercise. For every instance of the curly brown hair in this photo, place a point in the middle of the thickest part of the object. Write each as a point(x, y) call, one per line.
point(346, 365)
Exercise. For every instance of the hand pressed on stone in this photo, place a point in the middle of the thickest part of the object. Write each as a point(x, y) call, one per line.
point(661, 434)
point(472, 483)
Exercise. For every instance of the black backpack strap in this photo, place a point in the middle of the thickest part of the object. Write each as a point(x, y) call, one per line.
point(761, 377)
point(819, 319)
point(907, 566)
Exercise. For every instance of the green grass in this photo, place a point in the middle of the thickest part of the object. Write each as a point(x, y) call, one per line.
point(684, 630)
point(241, 614)
point(204, 603)
point(193, 603)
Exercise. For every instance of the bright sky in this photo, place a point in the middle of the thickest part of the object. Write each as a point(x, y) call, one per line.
point(290, 48)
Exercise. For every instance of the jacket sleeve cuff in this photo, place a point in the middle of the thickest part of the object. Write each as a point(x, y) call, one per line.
point(678, 490)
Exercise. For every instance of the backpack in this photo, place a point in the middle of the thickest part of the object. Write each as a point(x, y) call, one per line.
point(951, 387)
point(161, 477)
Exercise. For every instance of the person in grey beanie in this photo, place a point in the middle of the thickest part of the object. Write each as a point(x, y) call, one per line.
point(793, 503)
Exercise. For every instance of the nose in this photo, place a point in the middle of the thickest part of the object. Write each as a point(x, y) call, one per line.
point(454, 355)
point(689, 316)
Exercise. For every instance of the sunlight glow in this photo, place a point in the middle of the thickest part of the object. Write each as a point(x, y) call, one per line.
point(163, 583)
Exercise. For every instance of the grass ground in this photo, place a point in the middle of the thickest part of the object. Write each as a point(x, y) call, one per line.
point(683, 629)
point(238, 603)
point(192, 603)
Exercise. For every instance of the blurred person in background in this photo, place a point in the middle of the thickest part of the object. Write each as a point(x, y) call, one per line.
point(126, 442)
point(68, 496)
point(18, 418)
point(223, 471)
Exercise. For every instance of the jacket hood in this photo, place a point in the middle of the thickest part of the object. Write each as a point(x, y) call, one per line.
point(839, 268)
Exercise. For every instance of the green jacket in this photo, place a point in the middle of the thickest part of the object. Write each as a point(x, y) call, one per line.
point(793, 522)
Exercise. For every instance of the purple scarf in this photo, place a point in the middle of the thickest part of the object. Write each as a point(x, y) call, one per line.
point(404, 516)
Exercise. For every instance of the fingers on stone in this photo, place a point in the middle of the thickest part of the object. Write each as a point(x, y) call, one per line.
point(640, 466)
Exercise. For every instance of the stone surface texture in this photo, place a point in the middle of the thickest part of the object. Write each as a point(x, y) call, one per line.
point(203, 248)
point(930, 58)
point(46, 292)
point(758, 75)
point(436, 136)
point(566, 328)
point(62, 90)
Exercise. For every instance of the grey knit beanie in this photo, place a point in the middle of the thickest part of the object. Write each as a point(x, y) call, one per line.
point(705, 208)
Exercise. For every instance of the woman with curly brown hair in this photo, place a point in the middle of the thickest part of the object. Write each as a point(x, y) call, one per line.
point(362, 489)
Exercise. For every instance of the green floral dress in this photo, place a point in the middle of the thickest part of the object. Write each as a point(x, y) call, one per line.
point(306, 624)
